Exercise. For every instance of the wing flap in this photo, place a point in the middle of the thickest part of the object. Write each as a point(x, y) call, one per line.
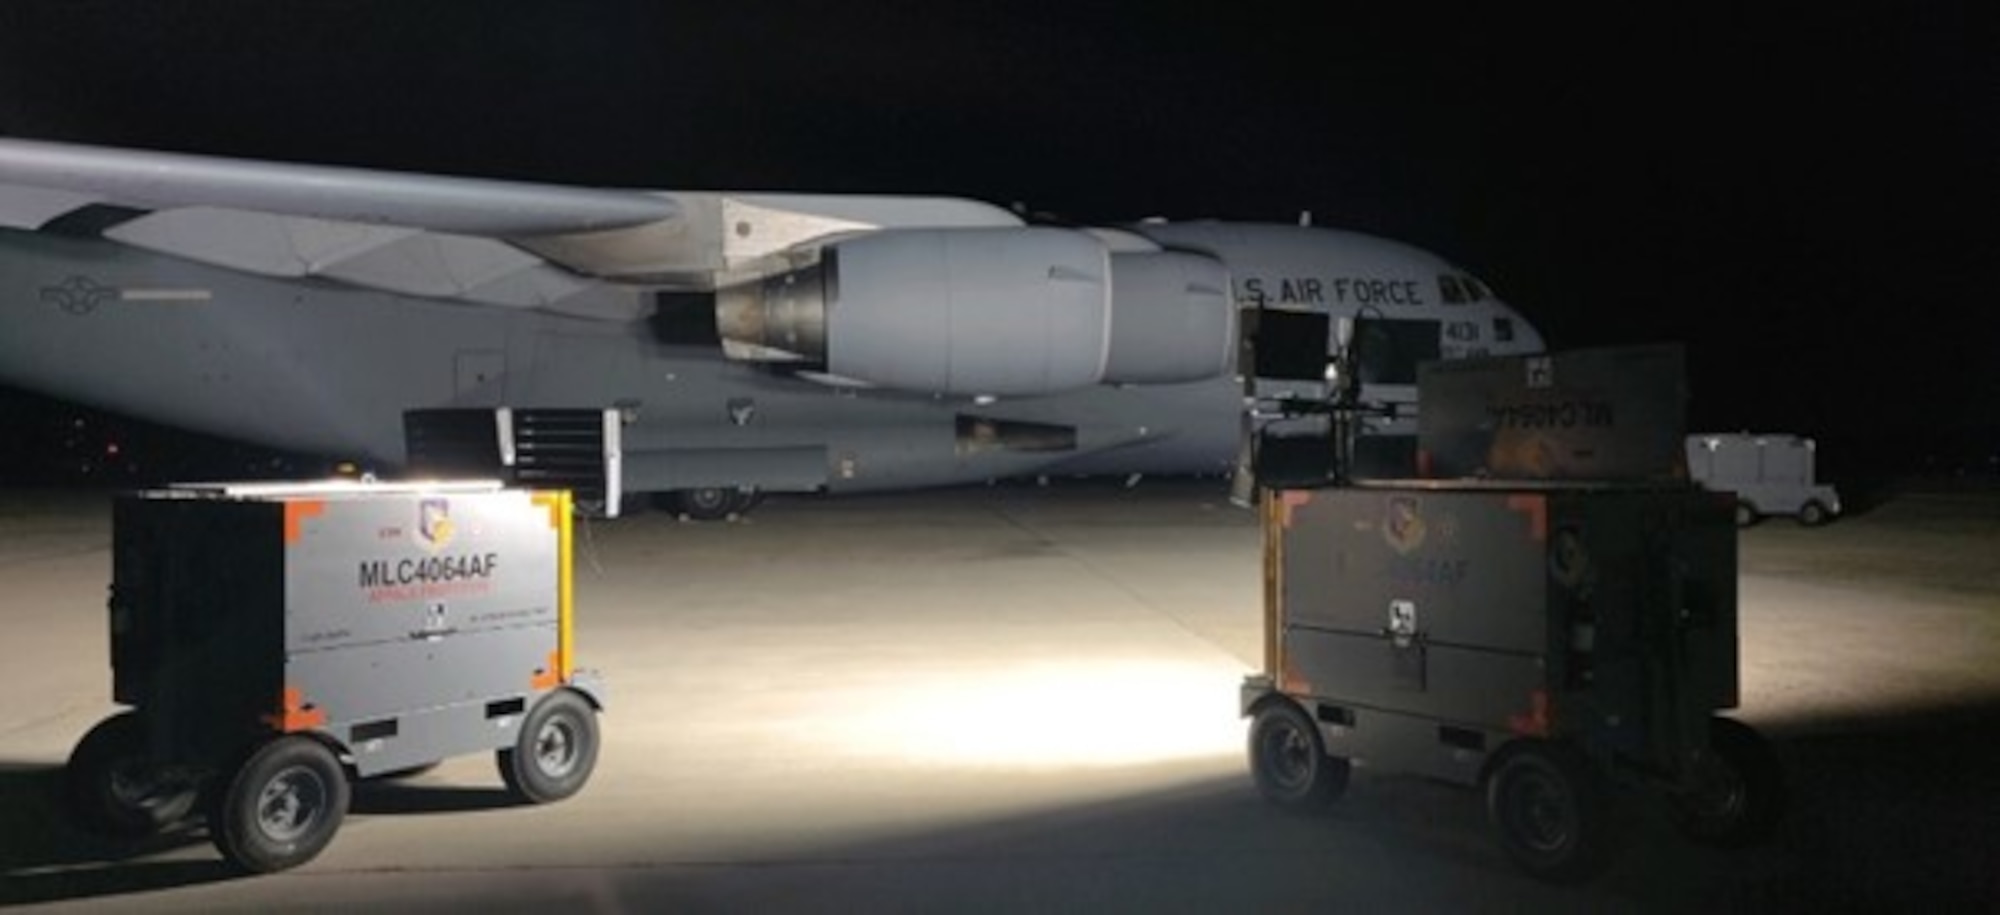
point(438, 266)
point(31, 208)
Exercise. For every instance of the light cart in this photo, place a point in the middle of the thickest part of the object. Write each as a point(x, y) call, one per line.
point(274, 641)
point(1555, 619)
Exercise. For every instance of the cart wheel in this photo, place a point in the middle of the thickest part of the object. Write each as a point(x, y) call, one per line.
point(1548, 810)
point(556, 751)
point(282, 807)
point(112, 789)
point(1739, 796)
point(1812, 514)
point(1289, 761)
point(1746, 514)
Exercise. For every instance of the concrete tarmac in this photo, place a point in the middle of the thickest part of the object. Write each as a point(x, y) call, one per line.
point(1020, 699)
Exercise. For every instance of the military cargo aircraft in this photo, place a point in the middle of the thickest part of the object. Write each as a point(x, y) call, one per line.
point(717, 345)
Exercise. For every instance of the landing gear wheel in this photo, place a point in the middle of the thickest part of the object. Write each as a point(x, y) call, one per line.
point(556, 751)
point(1739, 794)
point(112, 787)
point(1289, 760)
point(712, 503)
point(283, 806)
point(1813, 514)
point(1746, 514)
point(1548, 810)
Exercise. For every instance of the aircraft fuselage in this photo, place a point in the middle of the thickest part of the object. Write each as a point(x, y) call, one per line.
point(320, 367)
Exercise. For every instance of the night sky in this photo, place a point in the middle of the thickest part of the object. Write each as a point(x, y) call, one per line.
point(1803, 198)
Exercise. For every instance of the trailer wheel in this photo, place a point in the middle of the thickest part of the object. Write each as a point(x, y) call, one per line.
point(1812, 514)
point(1548, 810)
point(112, 788)
point(556, 751)
point(282, 807)
point(1289, 761)
point(1746, 513)
point(1739, 795)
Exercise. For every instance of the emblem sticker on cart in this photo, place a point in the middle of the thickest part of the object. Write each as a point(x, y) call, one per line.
point(434, 573)
point(1403, 526)
point(434, 526)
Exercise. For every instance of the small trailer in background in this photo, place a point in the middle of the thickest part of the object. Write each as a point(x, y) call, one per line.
point(1546, 611)
point(273, 641)
point(1770, 473)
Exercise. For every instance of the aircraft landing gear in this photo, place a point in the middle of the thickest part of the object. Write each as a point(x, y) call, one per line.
point(711, 503)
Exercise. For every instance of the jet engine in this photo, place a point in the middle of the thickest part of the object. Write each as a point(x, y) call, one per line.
point(1003, 311)
point(1006, 311)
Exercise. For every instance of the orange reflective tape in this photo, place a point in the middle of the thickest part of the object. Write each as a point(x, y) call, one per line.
point(553, 501)
point(1536, 722)
point(296, 513)
point(295, 713)
point(548, 677)
point(1289, 681)
point(1288, 501)
point(1537, 509)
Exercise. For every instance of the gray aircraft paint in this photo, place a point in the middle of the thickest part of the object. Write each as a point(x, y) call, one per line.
point(325, 356)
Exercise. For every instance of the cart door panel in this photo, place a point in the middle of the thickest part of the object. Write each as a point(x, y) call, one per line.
point(1484, 689)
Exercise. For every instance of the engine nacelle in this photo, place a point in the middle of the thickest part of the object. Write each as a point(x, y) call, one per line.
point(1003, 311)
point(1172, 318)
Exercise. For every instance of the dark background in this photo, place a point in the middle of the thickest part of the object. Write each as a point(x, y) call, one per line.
point(1802, 197)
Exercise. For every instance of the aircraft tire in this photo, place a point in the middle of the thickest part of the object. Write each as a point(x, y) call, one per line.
point(711, 503)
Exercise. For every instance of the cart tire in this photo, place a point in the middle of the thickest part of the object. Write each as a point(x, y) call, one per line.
point(111, 789)
point(282, 806)
point(1289, 760)
point(1549, 811)
point(1813, 514)
point(1742, 793)
point(1746, 514)
point(556, 751)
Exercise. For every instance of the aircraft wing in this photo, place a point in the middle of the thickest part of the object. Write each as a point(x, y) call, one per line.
point(479, 241)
